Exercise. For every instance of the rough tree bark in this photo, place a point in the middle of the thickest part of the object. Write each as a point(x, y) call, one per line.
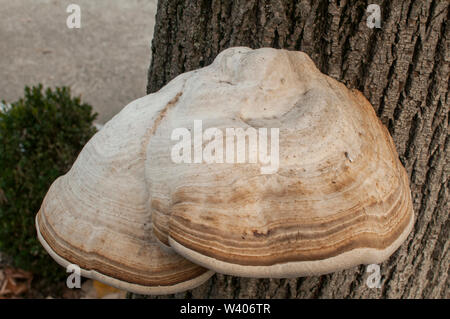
point(402, 68)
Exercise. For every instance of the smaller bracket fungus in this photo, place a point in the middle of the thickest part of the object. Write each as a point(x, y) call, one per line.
point(97, 217)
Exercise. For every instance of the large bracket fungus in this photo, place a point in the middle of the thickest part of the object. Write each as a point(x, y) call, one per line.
point(126, 212)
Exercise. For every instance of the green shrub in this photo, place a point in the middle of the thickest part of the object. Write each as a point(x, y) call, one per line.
point(40, 138)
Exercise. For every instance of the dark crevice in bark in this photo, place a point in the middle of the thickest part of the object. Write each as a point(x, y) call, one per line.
point(275, 42)
point(440, 249)
point(414, 130)
point(407, 87)
point(321, 25)
point(390, 77)
point(322, 282)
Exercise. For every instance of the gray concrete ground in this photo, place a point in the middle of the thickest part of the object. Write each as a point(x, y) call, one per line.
point(106, 61)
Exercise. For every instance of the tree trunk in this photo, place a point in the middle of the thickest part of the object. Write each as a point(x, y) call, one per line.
point(402, 68)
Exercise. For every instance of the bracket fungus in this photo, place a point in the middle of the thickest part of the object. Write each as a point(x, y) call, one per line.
point(338, 197)
point(97, 217)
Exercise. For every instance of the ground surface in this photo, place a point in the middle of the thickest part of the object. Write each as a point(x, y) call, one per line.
point(106, 61)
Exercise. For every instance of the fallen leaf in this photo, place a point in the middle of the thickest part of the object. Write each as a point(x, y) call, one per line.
point(14, 282)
